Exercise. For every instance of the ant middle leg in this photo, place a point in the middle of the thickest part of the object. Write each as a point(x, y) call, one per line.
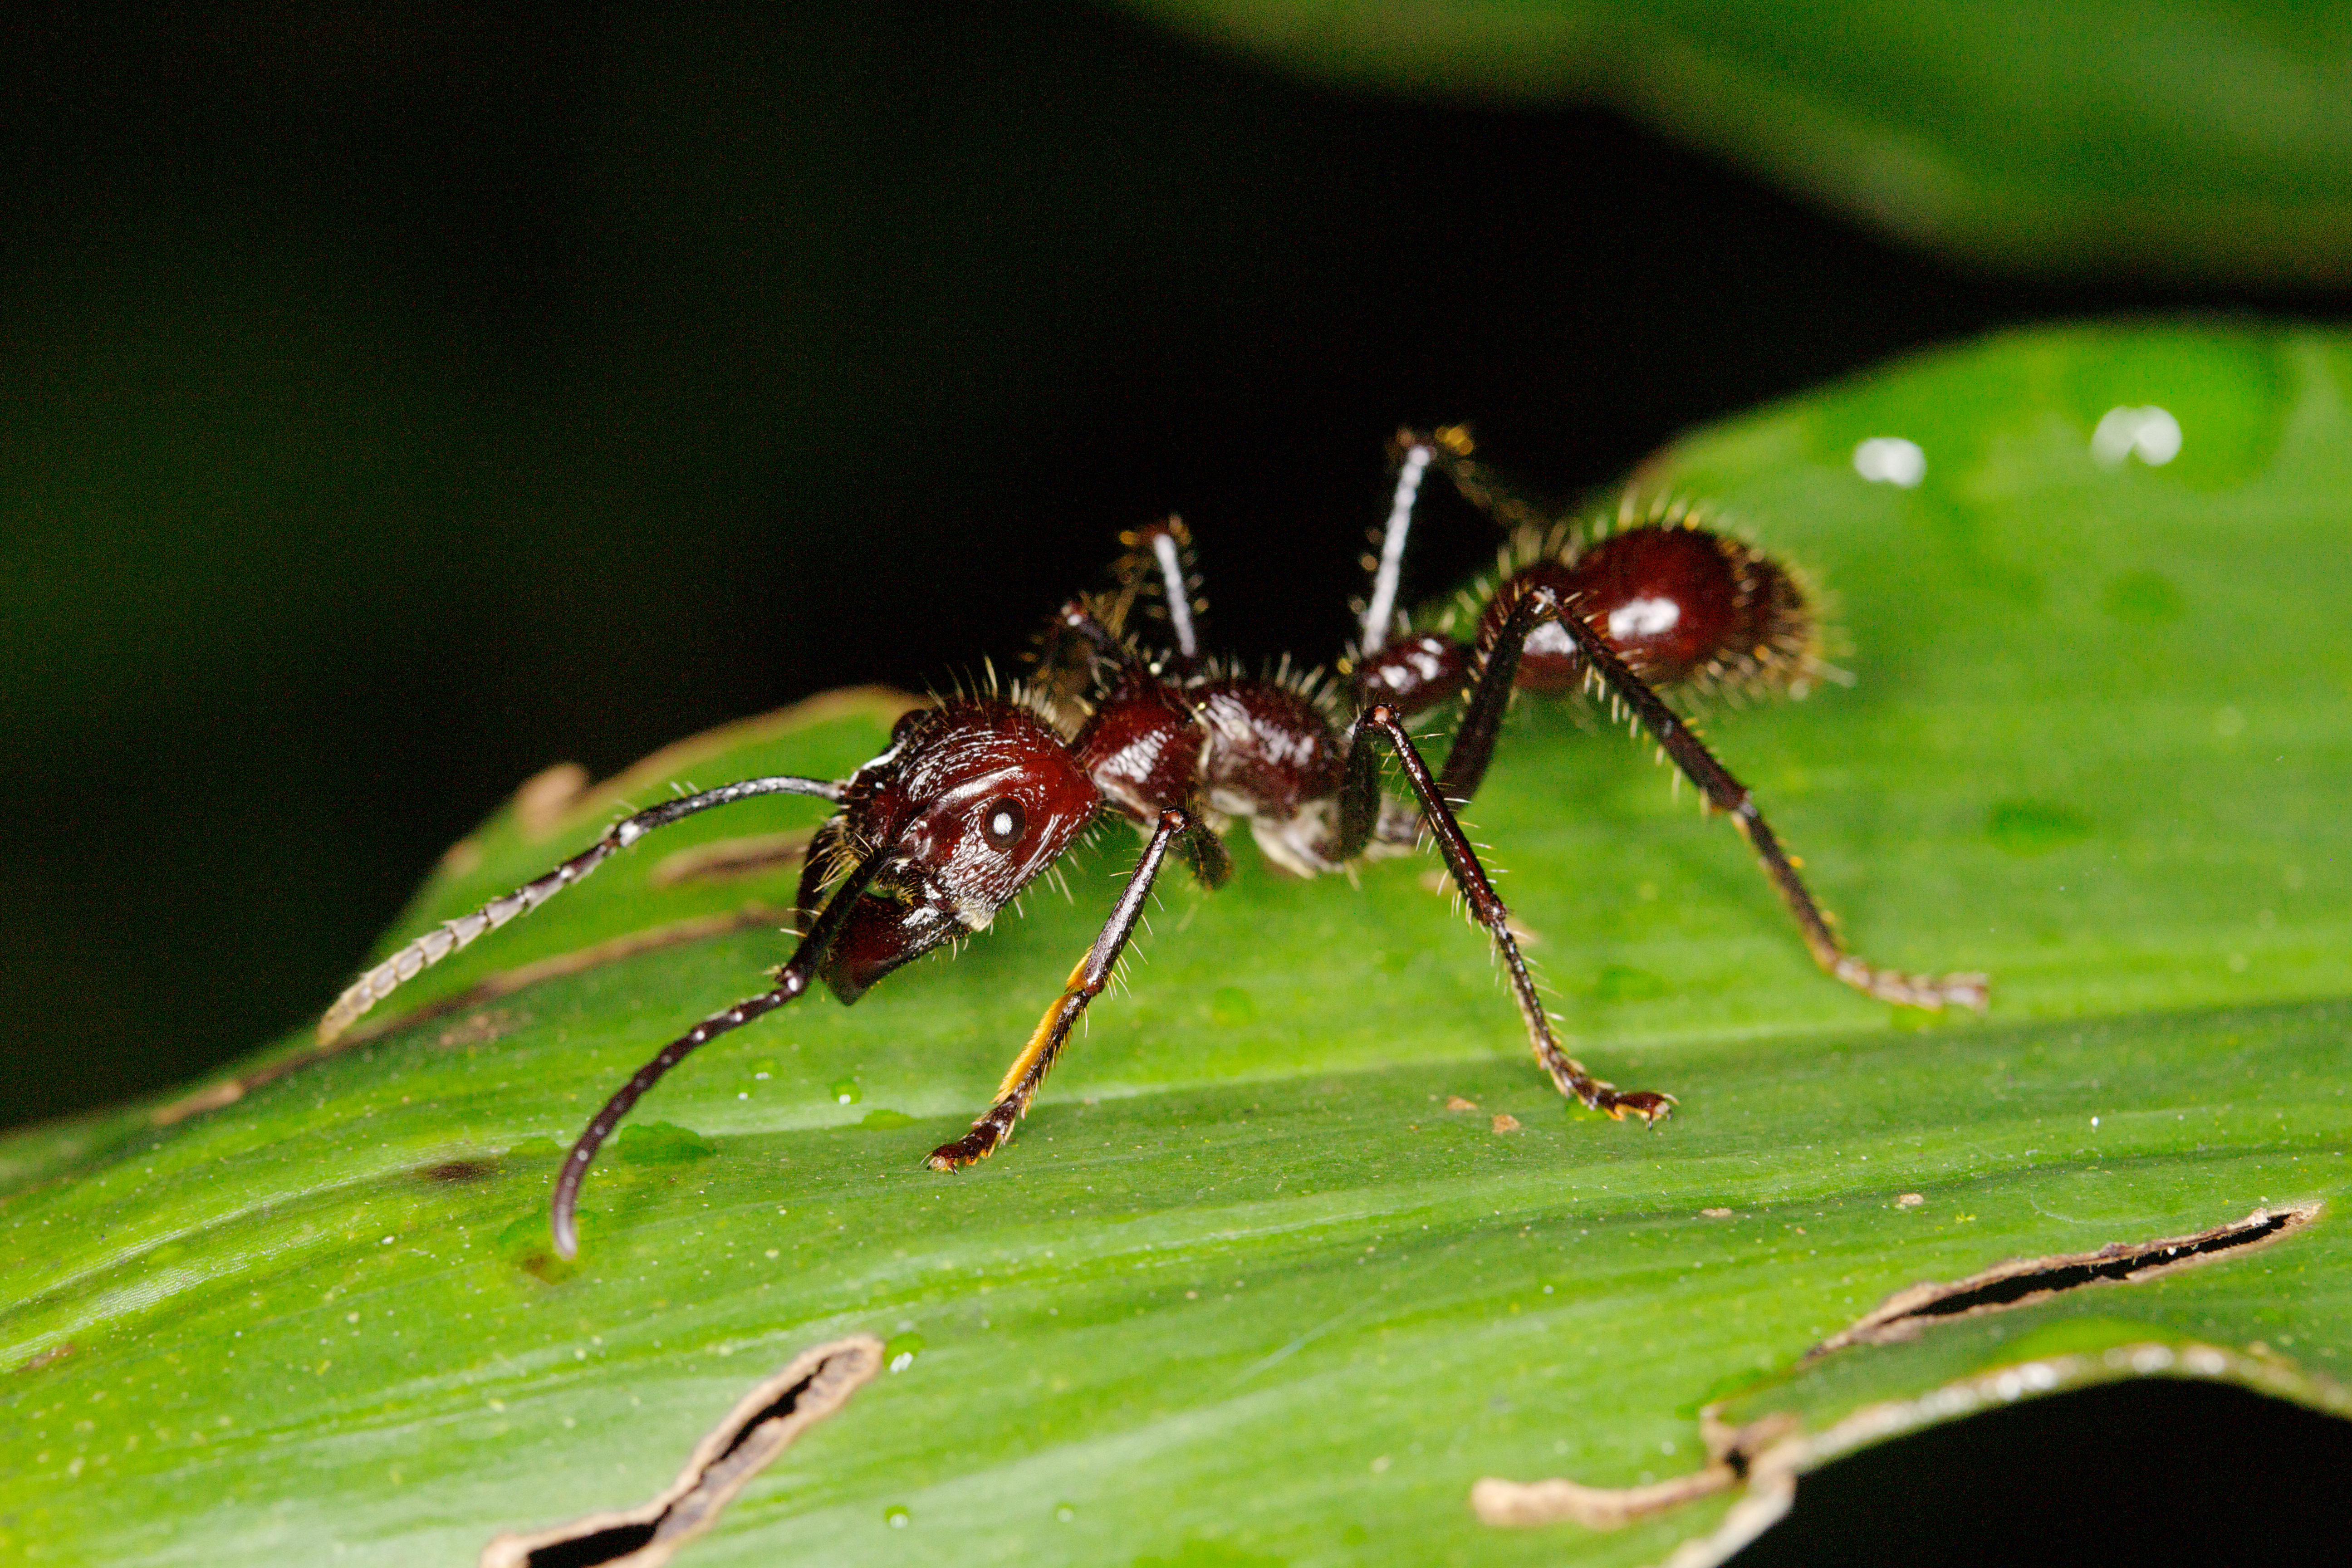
point(1028, 1073)
point(1359, 815)
point(1496, 662)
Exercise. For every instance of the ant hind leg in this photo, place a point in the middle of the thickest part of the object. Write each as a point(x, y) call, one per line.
point(1474, 748)
point(1359, 814)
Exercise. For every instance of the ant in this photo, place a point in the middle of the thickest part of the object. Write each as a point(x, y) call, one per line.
point(978, 795)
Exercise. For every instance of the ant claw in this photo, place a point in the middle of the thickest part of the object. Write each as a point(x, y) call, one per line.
point(1652, 1107)
point(969, 1150)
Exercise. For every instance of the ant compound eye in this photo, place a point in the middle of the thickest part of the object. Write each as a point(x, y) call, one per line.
point(1003, 822)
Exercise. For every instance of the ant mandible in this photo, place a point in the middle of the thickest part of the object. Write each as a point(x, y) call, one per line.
point(976, 796)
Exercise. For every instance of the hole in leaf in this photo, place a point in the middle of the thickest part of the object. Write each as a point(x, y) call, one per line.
point(763, 1424)
point(605, 1546)
point(2023, 1280)
point(1768, 1451)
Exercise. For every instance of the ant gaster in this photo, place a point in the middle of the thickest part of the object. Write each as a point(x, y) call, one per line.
point(977, 795)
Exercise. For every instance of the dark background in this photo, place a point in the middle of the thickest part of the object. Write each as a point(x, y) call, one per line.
point(397, 398)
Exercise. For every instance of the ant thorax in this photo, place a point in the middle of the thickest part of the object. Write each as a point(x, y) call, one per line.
point(1274, 759)
point(1141, 745)
point(1226, 746)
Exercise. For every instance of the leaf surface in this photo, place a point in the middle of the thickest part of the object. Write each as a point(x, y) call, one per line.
point(1244, 1288)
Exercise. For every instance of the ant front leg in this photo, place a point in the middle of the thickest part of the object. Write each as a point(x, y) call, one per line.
point(1028, 1071)
point(1359, 814)
point(1474, 748)
point(818, 862)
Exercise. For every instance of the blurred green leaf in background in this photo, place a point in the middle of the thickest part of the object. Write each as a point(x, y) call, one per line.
point(1252, 1286)
point(2208, 138)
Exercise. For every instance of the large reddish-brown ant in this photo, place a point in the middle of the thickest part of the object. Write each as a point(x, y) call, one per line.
point(978, 795)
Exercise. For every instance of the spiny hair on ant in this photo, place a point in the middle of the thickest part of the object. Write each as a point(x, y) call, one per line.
point(979, 794)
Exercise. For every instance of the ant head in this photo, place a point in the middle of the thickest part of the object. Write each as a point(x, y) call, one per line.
point(977, 797)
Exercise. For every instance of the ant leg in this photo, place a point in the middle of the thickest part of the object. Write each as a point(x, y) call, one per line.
point(1079, 637)
point(792, 980)
point(1450, 449)
point(1474, 748)
point(1380, 606)
point(1411, 671)
point(1359, 806)
point(1073, 640)
point(816, 864)
point(436, 945)
point(1164, 548)
point(1205, 853)
point(1086, 981)
point(1094, 628)
point(1078, 619)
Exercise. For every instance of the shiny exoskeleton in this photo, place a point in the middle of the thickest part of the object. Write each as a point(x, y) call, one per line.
point(977, 795)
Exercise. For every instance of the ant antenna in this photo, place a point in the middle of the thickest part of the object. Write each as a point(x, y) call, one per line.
point(436, 945)
point(792, 980)
point(1381, 609)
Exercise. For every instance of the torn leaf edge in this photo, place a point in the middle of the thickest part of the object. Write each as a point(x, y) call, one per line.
point(1768, 1453)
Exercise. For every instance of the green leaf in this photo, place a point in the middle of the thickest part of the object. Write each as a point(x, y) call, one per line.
point(1247, 1287)
point(2193, 136)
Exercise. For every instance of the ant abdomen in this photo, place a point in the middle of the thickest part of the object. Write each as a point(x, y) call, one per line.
point(1684, 604)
